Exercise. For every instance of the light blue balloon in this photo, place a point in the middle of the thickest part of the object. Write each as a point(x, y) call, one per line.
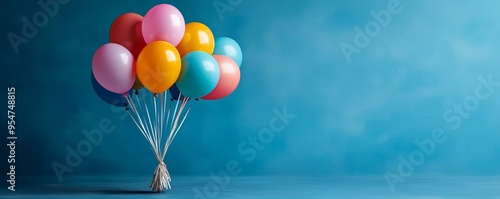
point(228, 47)
point(200, 74)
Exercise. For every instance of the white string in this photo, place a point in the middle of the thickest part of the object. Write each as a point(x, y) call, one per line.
point(141, 131)
point(182, 121)
point(146, 130)
point(141, 128)
point(169, 140)
point(134, 110)
point(144, 124)
point(153, 123)
point(151, 126)
point(180, 125)
point(162, 115)
point(175, 119)
point(175, 111)
point(177, 130)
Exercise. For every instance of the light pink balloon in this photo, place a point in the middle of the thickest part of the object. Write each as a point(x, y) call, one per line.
point(163, 22)
point(113, 67)
point(229, 78)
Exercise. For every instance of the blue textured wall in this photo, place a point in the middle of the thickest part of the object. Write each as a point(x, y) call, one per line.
point(359, 101)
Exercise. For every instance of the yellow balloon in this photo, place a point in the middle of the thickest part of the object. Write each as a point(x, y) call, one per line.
point(158, 66)
point(196, 37)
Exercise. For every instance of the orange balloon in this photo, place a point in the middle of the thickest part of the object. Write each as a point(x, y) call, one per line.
point(158, 66)
point(196, 37)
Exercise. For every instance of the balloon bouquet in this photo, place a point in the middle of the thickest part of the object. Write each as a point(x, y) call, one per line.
point(163, 54)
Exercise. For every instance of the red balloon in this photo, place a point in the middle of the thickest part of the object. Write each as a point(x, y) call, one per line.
point(126, 31)
point(229, 78)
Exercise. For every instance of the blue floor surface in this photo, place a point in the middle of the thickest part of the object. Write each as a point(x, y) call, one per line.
point(428, 187)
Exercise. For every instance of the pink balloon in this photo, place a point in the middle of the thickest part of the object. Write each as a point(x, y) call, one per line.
point(229, 78)
point(163, 22)
point(113, 67)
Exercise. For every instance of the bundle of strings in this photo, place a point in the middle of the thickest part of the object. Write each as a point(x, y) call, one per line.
point(155, 116)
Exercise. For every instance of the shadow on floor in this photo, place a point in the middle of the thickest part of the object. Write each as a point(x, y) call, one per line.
point(69, 190)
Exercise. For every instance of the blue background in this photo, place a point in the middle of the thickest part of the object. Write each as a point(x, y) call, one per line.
point(352, 118)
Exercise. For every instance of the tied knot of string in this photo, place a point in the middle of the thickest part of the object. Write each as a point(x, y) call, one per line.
point(161, 178)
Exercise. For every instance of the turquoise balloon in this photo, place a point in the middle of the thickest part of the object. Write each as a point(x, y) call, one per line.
point(228, 47)
point(200, 74)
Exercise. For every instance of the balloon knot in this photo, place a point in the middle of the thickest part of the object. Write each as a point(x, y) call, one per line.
point(156, 95)
point(136, 92)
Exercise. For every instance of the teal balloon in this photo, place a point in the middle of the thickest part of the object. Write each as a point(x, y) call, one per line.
point(200, 74)
point(228, 47)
